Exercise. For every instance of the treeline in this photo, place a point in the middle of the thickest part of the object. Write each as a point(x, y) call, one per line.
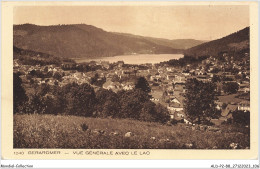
point(28, 57)
point(28, 60)
point(82, 100)
point(185, 61)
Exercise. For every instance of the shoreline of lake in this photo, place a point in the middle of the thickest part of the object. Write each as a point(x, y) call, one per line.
point(134, 59)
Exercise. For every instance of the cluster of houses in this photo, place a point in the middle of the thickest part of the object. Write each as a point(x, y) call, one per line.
point(167, 83)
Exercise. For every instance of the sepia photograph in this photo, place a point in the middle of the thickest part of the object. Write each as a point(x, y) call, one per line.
point(154, 77)
point(131, 77)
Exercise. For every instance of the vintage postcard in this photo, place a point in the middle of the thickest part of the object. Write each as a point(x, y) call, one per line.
point(129, 80)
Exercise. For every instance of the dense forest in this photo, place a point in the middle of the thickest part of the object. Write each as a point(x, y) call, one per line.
point(235, 42)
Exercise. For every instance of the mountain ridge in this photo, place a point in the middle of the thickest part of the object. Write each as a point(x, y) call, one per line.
point(87, 41)
point(174, 43)
point(81, 40)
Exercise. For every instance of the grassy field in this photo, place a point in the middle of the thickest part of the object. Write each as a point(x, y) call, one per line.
point(50, 131)
point(229, 98)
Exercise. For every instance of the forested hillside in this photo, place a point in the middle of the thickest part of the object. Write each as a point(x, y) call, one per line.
point(235, 42)
point(82, 40)
point(175, 43)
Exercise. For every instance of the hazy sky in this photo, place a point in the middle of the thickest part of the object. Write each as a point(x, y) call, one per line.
point(171, 22)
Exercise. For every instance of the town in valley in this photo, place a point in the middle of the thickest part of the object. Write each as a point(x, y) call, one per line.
point(166, 83)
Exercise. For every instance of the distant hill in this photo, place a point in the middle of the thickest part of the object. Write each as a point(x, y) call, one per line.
point(83, 41)
point(175, 43)
point(235, 42)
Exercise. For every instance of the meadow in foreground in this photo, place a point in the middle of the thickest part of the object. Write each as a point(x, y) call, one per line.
point(73, 132)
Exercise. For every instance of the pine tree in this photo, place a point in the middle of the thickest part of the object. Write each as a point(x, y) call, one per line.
point(143, 85)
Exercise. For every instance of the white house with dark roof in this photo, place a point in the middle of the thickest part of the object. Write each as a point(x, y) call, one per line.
point(244, 106)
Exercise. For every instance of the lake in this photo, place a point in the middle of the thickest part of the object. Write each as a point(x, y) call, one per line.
point(135, 59)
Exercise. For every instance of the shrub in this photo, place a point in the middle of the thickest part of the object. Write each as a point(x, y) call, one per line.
point(84, 127)
point(241, 117)
point(162, 114)
point(19, 94)
point(148, 112)
point(57, 76)
point(230, 87)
